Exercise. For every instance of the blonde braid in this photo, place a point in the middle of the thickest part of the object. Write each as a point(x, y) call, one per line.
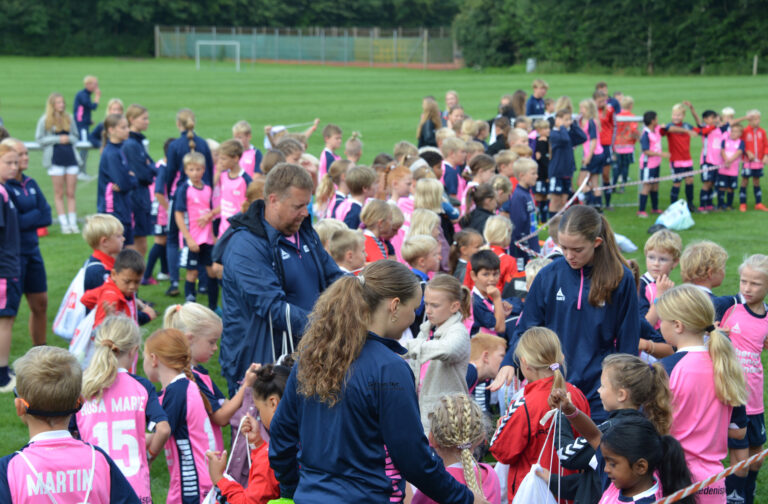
point(468, 462)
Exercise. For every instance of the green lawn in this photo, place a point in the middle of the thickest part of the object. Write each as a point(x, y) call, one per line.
point(383, 104)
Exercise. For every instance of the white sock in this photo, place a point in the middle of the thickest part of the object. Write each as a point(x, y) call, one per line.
point(72, 219)
point(63, 220)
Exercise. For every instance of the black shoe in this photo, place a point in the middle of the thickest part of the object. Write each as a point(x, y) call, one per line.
point(172, 291)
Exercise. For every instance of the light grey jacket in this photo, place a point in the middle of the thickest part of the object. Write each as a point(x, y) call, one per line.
point(448, 351)
point(48, 138)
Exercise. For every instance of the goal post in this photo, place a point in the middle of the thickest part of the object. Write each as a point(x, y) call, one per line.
point(214, 43)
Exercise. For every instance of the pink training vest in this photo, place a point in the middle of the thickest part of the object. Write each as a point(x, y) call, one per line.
point(748, 334)
point(598, 146)
point(654, 141)
point(230, 197)
point(729, 147)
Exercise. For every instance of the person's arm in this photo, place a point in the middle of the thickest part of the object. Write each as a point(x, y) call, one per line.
point(498, 309)
point(43, 137)
point(224, 414)
point(513, 433)
point(627, 333)
point(693, 112)
point(137, 162)
point(580, 421)
point(179, 207)
point(284, 439)
point(577, 135)
point(171, 169)
point(453, 345)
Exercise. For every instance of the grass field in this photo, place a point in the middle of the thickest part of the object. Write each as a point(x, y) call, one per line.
point(383, 104)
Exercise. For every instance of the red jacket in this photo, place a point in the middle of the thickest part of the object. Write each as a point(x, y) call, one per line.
point(262, 484)
point(508, 269)
point(109, 294)
point(607, 124)
point(519, 438)
point(755, 142)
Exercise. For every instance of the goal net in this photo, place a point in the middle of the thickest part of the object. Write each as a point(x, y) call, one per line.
point(210, 47)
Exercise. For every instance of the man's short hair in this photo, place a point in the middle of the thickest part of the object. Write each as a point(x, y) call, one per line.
point(284, 176)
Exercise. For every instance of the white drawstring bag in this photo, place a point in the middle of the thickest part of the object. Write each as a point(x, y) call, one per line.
point(676, 217)
point(214, 494)
point(533, 489)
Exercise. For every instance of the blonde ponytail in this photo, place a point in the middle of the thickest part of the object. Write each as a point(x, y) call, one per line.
point(192, 318)
point(115, 336)
point(186, 119)
point(693, 308)
point(458, 422)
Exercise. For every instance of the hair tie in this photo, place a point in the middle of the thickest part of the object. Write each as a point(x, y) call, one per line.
point(178, 307)
point(710, 328)
point(110, 344)
point(464, 446)
point(554, 367)
point(361, 278)
point(653, 369)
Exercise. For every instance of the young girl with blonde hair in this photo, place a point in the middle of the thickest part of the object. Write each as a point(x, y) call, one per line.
point(458, 425)
point(353, 148)
point(440, 352)
point(592, 161)
point(332, 190)
point(57, 135)
point(429, 122)
point(118, 401)
point(351, 379)
point(706, 380)
point(202, 328)
point(520, 440)
point(377, 217)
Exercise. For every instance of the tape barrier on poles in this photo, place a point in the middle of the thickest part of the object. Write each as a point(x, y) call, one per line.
point(519, 243)
point(685, 492)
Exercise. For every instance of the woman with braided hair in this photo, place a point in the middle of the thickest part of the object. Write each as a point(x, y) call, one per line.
point(123, 403)
point(458, 426)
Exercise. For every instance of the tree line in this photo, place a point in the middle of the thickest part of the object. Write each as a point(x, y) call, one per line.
point(686, 36)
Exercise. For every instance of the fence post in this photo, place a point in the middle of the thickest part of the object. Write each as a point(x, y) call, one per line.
point(394, 47)
point(425, 56)
point(370, 52)
point(253, 45)
point(322, 45)
point(178, 36)
point(754, 65)
point(277, 44)
point(157, 41)
point(346, 43)
point(300, 45)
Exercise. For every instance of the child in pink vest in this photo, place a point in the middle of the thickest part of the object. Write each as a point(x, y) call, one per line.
point(194, 217)
point(230, 183)
point(167, 360)
point(53, 466)
point(250, 158)
point(747, 326)
point(457, 427)
point(332, 138)
point(706, 383)
point(121, 407)
point(728, 174)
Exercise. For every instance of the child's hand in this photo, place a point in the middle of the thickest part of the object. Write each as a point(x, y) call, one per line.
point(543, 474)
point(664, 155)
point(560, 399)
point(493, 292)
point(63, 139)
point(687, 104)
point(203, 220)
point(252, 430)
point(507, 308)
point(150, 311)
point(663, 284)
point(587, 159)
point(109, 308)
point(193, 246)
point(268, 129)
point(217, 462)
point(97, 93)
point(250, 375)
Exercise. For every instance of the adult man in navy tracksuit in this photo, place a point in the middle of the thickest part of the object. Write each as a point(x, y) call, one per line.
point(86, 100)
point(275, 268)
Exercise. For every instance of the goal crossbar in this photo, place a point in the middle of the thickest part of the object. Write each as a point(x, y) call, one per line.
point(214, 43)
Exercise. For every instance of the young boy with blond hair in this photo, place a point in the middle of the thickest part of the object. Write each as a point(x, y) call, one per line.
point(250, 161)
point(662, 254)
point(703, 265)
point(454, 154)
point(535, 105)
point(347, 248)
point(48, 393)
point(332, 139)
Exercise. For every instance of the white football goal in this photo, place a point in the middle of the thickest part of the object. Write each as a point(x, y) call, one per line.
point(213, 44)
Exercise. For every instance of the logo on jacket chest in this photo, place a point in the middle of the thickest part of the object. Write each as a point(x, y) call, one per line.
point(560, 296)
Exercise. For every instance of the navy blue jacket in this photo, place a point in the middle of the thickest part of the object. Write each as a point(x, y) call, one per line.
point(535, 106)
point(522, 213)
point(34, 211)
point(175, 161)
point(559, 300)
point(257, 287)
point(95, 136)
point(113, 169)
point(81, 110)
point(563, 141)
point(10, 262)
point(342, 456)
point(143, 167)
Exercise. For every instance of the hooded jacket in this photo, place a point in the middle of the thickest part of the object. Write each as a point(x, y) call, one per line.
point(256, 309)
point(34, 211)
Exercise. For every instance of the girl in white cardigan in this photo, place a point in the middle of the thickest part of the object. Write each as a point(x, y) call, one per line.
point(440, 353)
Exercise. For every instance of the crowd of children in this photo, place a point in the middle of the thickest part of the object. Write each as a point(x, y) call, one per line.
point(451, 310)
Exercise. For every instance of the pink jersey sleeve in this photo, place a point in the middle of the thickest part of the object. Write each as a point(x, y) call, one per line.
point(748, 334)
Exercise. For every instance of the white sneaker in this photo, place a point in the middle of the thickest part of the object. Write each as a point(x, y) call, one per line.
point(65, 229)
point(84, 177)
point(161, 277)
point(8, 387)
point(74, 229)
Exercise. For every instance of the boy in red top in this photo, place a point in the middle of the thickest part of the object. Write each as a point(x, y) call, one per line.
point(624, 143)
point(755, 157)
point(118, 293)
point(607, 116)
point(679, 135)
